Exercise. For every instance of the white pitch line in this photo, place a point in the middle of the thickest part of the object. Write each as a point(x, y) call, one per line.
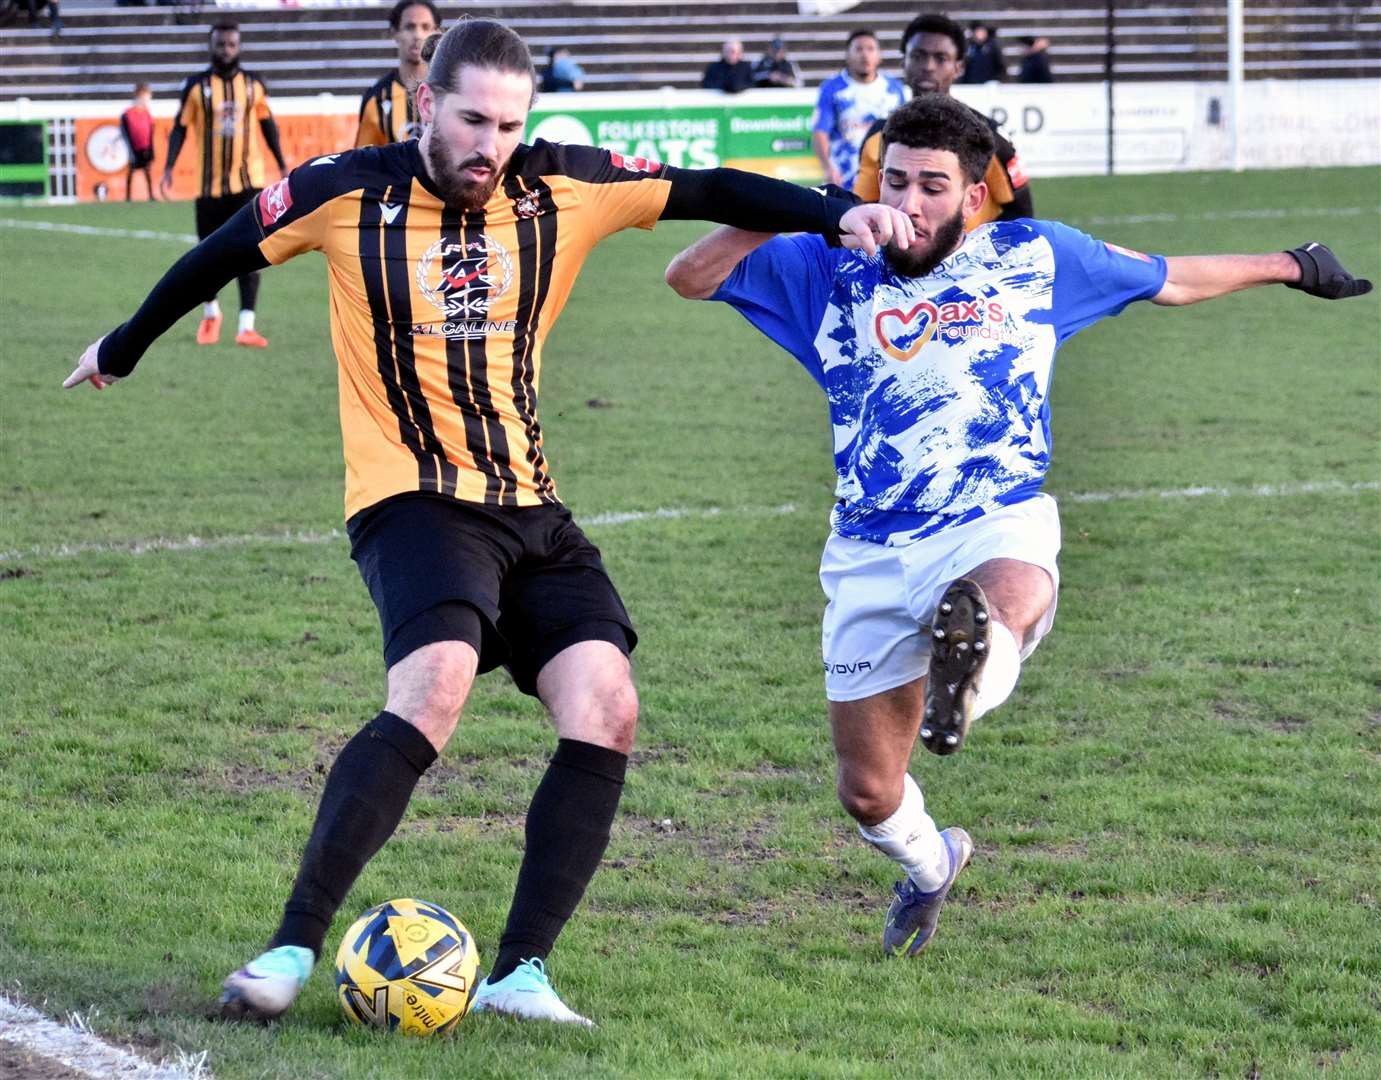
point(96, 230)
point(78, 1049)
point(613, 519)
point(1271, 213)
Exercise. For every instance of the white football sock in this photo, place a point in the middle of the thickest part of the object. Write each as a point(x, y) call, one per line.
point(211, 310)
point(999, 672)
point(910, 839)
point(246, 321)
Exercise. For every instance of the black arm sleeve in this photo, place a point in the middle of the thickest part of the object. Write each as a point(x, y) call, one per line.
point(175, 138)
point(270, 129)
point(748, 201)
point(124, 131)
point(230, 251)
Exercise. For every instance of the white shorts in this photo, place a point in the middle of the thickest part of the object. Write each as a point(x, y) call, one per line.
point(876, 636)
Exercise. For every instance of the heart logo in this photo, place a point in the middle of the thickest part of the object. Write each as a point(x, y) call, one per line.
point(926, 319)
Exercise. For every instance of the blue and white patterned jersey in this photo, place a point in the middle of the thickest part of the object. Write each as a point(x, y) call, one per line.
point(846, 109)
point(938, 386)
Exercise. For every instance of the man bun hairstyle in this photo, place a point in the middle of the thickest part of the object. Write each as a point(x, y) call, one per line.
point(480, 43)
point(938, 122)
point(395, 17)
point(934, 23)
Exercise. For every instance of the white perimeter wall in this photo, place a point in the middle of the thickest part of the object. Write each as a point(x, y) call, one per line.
point(1058, 129)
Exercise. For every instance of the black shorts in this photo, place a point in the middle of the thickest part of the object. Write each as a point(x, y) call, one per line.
point(213, 213)
point(520, 584)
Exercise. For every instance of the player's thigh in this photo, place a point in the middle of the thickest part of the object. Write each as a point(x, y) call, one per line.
point(873, 736)
point(1019, 593)
point(588, 691)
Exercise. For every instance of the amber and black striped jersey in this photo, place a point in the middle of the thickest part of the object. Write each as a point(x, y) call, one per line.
point(438, 314)
point(1009, 188)
point(224, 116)
point(387, 113)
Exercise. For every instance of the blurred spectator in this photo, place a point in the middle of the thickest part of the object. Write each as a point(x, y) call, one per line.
point(136, 125)
point(562, 72)
point(1035, 61)
point(731, 73)
point(388, 110)
point(983, 62)
point(37, 6)
point(848, 104)
point(774, 69)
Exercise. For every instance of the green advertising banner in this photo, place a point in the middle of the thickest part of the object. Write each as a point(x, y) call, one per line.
point(772, 139)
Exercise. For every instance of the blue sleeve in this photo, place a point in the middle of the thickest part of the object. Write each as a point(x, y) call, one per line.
point(782, 288)
point(824, 108)
point(1093, 279)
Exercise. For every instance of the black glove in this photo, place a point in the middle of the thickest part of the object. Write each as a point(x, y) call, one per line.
point(1321, 274)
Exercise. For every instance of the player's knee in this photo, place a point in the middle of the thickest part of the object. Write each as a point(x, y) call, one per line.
point(428, 687)
point(866, 799)
point(614, 713)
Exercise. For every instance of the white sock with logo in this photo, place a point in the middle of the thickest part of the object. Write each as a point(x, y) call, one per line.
point(1000, 671)
point(910, 839)
point(211, 310)
point(246, 321)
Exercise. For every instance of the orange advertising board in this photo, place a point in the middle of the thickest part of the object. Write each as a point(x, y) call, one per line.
point(103, 158)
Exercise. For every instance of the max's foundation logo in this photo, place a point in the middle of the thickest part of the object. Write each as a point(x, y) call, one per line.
point(903, 333)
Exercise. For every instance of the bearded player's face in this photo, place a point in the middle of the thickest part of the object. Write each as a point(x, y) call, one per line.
point(930, 188)
point(472, 132)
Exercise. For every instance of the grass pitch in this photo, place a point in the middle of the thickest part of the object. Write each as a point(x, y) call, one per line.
point(1176, 815)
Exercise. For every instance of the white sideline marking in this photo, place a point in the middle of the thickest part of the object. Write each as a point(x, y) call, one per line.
point(96, 230)
point(1245, 214)
point(612, 519)
point(74, 1046)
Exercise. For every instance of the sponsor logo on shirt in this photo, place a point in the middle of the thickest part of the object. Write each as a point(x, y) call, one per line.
point(901, 334)
point(462, 280)
point(634, 164)
point(275, 201)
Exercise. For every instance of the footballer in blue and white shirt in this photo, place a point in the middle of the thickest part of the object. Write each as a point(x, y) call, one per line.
point(935, 353)
point(849, 104)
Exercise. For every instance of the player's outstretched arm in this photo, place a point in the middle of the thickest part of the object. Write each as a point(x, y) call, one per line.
point(1311, 268)
point(230, 251)
point(698, 271)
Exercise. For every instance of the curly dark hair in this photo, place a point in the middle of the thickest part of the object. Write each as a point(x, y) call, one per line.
point(395, 16)
point(934, 23)
point(938, 122)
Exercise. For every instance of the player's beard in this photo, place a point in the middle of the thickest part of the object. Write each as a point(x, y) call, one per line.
point(913, 263)
point(455, 189)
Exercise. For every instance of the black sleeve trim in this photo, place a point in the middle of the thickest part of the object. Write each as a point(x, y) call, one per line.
point(269, 127)
point(230, 251)
point(748, 201)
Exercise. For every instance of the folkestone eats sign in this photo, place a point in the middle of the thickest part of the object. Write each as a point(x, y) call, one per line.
point(768, 138)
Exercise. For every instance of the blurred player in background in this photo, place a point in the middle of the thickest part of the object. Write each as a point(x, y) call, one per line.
point(449, 258)
point(936, 359)
point(847, 106)
point(220, 108)
point(388, 112)
point(136, 125)
point(931, 49)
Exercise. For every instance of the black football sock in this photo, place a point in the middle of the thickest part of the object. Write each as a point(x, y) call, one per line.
point(366, 793)
point(567, 831)
point(249, 290)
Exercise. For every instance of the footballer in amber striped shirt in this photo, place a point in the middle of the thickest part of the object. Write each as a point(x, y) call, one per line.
point(449, 259)
point(388, 110)
point(225, 110)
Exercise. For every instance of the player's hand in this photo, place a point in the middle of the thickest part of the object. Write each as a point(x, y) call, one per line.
point(165, 184)
point(89, 370)
point(870, 225)
point(1321, 274)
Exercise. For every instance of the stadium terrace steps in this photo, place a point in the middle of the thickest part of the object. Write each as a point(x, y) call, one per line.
point(643, 44)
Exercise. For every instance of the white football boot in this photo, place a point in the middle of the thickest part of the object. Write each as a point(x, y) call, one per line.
point(263, 989)
point(525, 993)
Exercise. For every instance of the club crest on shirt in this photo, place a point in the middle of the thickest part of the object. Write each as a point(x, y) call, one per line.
point(462, 280)
point(529, 206)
